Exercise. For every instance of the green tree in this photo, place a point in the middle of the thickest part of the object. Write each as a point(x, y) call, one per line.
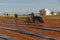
point(58, 13)
point(52, 13)
point(6, 14)
point(42, 12)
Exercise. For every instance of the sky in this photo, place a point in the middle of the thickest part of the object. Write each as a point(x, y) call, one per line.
point(26, 6)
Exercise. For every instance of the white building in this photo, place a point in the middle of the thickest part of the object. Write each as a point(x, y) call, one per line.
point(10, 14)
point(45, 12)
point(55, 13)
point(48, 12)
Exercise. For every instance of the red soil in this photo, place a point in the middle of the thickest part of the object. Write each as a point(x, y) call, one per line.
point(48, 22)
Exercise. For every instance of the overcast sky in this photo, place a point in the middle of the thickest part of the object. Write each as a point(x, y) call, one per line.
point(24, 6)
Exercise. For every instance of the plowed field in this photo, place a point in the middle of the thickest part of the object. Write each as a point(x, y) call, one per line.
point(49, 30)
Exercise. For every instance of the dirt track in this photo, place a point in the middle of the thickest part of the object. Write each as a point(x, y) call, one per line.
point(49, 22)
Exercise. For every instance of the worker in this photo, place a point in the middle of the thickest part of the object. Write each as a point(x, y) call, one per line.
point(16, 16)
